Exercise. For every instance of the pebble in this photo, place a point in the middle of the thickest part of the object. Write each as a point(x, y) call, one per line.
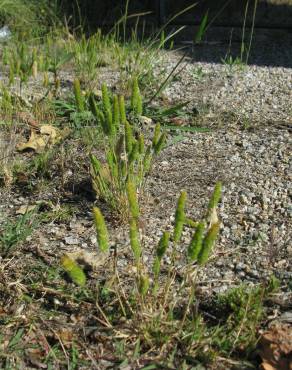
point(71, 240)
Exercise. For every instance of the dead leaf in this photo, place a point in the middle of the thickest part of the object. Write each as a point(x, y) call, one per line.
point(92, 259)
point(177, 121)
point(50, 131)
point(35, 142)
point(22, 210)
point(27, 118)
point(276, 348)
point(65, 336)
point(145, 120)
point(47, 136)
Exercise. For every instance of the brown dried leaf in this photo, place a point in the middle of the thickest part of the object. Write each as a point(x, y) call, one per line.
point(276, 348)
point(47, 136)
point(35, 142)
point(22, 210)
point(49, 130)
point(92, 259)
point(66, 337)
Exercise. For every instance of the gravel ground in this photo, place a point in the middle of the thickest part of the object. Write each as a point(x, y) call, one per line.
point(254, 165)
point(254, 93)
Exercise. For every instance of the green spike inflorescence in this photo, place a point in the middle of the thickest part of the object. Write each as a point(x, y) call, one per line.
point(179, 216)
point(195, 245)
point(128, 137)
point(208, 243)
point(141, 141)
point(143, 285)
point(160, 143)
point(216, 196)
point(101, 230)
point(116, 111)
point(162, 245)
point(132, 199)
point(78, 96)
point(135, 239)
point(156, 135)
point(136, 98)
point(105, 98)
point(74, 271)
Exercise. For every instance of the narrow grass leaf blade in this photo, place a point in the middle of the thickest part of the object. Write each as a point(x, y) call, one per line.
point(202, 28)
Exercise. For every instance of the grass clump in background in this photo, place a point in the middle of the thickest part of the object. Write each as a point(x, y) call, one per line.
point(29, 18)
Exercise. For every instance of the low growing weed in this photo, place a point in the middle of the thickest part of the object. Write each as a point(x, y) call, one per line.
point(13, 233)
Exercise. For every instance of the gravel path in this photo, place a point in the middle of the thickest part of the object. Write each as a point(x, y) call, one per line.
point(254, 165)
point(254, 93)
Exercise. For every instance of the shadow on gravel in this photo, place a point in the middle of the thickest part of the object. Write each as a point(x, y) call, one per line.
point(270, 47)
point(271, 42)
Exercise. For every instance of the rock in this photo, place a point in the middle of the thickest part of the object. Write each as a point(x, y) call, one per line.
point(71, 240)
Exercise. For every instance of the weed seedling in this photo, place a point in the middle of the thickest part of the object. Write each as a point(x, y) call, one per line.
point(13, 233)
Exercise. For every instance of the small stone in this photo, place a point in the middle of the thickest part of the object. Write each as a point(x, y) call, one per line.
point(240, 266)
point(254, 274)
point(93, 239)
point(71, 240)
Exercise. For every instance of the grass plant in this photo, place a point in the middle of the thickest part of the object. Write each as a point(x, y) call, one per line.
point(162, 311)
point(29, 17)
point(127, 157)
point(13, 233)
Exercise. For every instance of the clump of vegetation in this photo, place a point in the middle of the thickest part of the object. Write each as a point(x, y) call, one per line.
point(15, 232)
point(128, 157)
point(29, 17)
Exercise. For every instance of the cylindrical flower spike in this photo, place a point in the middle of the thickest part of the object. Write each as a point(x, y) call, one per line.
point(163, 244)
point(156, 135)
point(128, 137)
point(136, 98)
point(208, 243)
point(147, 160)
point(143, 285)
point(78, 96)
point(110, 128)
point(179, 216)
point(141, 141)
point(101, 230)
point(195, 245)
point(105, 98)
point(132, 199)
point(135, 239)
point(216, 196)
point(159, 146)
point(116, 112)
point(74, 271)
point(134, 153)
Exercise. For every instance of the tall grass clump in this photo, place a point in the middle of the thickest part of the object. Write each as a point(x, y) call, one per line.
point(28, 18)
point(154, 291)
point(128, 155)
point(161, 302)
